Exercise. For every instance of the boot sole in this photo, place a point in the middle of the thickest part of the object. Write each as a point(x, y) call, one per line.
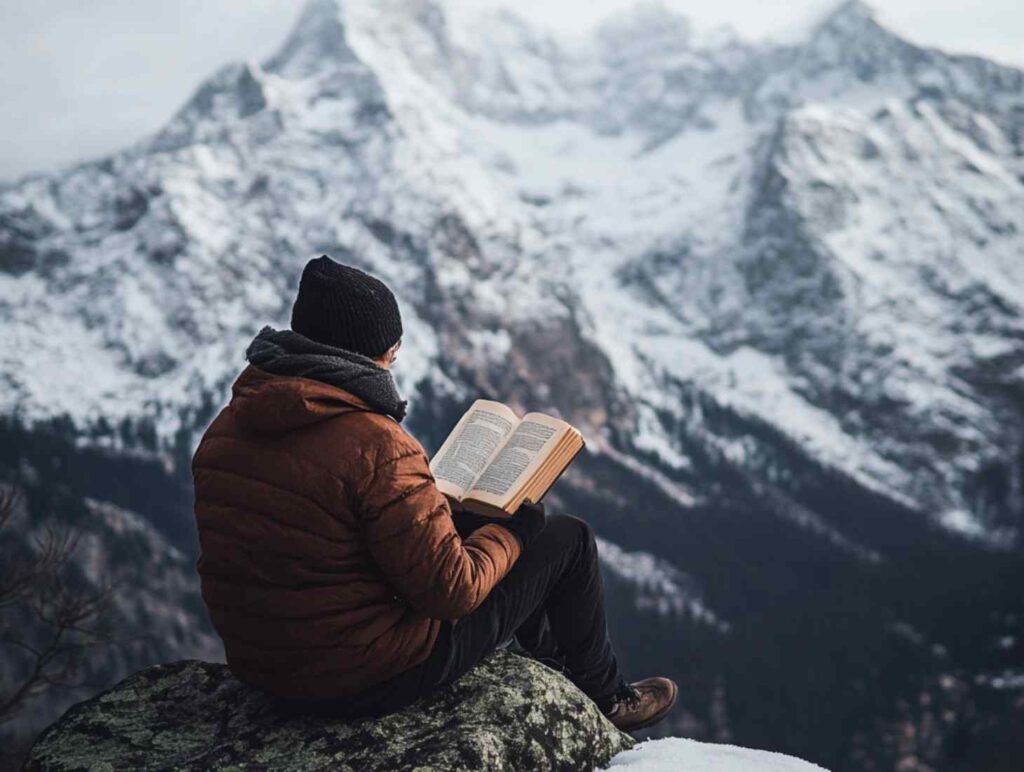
point(657, 716)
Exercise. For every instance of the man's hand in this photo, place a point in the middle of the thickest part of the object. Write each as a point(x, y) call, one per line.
point(455, 504)
point(527, 522)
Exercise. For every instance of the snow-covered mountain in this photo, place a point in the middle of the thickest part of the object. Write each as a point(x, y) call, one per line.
point(824, 236)
point(780, 288)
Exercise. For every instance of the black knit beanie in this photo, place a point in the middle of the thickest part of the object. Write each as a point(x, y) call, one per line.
point(344, 307)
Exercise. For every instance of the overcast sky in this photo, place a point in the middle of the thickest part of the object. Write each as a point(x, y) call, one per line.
point(79, 78)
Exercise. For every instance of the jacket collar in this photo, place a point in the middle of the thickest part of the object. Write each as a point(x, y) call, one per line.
point(287, 353)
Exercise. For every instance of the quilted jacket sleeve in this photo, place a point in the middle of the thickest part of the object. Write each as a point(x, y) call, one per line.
point(408, 527)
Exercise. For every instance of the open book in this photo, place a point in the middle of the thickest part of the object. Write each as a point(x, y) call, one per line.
point(493, 459)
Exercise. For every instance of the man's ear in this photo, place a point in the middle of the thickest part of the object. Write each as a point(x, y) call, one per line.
point(393, 351)
point(389, 356)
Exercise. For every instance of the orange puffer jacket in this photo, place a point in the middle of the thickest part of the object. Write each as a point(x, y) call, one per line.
point(328, 556)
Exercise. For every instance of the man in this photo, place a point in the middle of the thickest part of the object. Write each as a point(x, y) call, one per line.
point(336, 573)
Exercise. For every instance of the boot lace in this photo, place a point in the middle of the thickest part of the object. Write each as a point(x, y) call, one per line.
point(629, 696)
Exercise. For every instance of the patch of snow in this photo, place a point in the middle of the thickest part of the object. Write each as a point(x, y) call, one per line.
point(661, 587)
point(669, 487)
point(1009, 680)
point(676, 754)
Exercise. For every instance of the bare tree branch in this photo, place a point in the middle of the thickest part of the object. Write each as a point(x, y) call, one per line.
point(51, 626)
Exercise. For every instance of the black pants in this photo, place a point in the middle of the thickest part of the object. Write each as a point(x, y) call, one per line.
point(551, 601)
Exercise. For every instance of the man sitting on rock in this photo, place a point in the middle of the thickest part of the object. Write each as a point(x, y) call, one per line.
point(332, 567)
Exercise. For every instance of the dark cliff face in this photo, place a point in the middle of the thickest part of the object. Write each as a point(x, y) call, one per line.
point(509, 713)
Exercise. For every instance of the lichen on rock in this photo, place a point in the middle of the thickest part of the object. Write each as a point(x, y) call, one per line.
point(509, 713)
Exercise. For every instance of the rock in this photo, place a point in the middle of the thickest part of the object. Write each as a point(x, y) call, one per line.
point(510, 713)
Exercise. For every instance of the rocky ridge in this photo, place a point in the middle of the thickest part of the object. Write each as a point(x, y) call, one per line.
point(509, 713)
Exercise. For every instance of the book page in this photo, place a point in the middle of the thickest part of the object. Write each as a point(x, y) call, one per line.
point(473, 443)
point(522, 454)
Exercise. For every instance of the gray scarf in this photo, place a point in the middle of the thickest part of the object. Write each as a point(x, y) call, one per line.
point(285, 352)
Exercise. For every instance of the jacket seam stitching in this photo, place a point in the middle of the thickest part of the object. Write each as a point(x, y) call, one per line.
point(198, 464)
point(405, 494)
point(227, 534)
point(305, 499)
point(431, 515)
point(372, 474)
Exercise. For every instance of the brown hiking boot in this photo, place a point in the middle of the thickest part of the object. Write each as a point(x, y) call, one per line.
point(641, 704)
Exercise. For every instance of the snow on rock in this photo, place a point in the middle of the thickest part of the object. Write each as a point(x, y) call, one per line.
point(675, 754)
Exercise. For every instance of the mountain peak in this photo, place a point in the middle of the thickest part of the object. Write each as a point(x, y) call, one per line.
point(646, 28)
point(851, 38)
point(318, 38)
point(849, 17)
point(646, 18)
point(852, 10)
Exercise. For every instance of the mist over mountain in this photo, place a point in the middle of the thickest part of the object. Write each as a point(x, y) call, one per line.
point(779, 288)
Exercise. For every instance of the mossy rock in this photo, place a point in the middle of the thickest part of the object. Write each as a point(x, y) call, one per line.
point(509, 713)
